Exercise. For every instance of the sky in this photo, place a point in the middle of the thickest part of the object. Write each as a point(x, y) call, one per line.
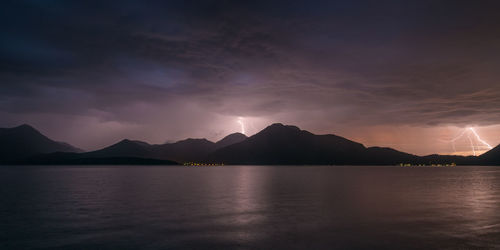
point(411, 75)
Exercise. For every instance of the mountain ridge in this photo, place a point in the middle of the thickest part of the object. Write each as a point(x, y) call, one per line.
point(277, 144)
point(25, 141)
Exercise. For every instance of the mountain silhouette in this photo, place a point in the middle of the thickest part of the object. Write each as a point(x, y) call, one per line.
point(277, 144)
point(230, 139)
point(281, 144)
point(188, 150)
point(388, 156)
point(180, 151)
point(124, 148)
point(491, 157)
point(25, 141)
point(284, 144)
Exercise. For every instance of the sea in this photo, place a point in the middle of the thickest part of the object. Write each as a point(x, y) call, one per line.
point(249, 207)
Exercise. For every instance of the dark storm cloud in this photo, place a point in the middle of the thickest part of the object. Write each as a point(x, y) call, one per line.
point(346, 62)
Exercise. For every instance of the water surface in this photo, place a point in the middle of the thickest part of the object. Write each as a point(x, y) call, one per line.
point(248, 207)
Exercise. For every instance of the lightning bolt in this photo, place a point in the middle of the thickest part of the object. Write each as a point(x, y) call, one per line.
point(479, 138)
point(240, 121)
point(471, 144)
point(468, 131)
point(456, 138)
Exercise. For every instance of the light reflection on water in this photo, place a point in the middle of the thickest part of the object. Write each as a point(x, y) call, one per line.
point(249, 207)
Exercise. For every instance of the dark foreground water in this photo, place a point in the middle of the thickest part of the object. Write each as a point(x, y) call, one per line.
point(249, 207)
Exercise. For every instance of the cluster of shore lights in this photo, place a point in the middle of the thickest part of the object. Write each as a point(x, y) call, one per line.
point(197, 164)
point(430, 165)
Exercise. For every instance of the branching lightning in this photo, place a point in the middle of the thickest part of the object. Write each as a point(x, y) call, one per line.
point(240, 121)
point(456, 138)
point(479, 138)
point(468, 131)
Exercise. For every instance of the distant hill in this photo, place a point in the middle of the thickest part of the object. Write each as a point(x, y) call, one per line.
point(387, 156)
point(25, 141)
point(446, 159)
point(137, 151)
point(186, 150)
point(181, 151)
point(124, 148)
point(230, 139)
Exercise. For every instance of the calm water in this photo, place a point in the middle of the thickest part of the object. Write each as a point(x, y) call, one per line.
point(230, 207)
